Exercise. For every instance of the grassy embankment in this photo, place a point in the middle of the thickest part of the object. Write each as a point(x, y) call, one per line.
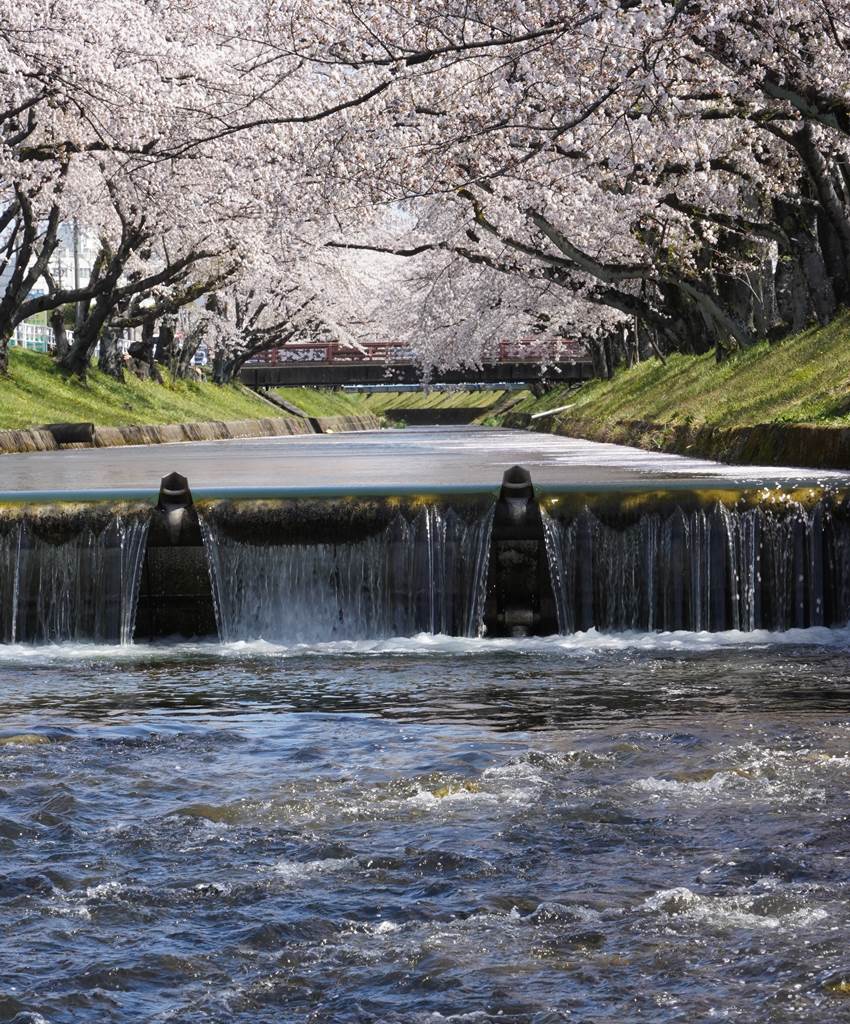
point(321, 402)
point(35, 392)
point(786, 401)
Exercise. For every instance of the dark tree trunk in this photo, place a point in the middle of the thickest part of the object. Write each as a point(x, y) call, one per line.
point(60, 334)
point(226, 366)
point(803, 283)
point(610, 349)
point(188, 349)
point(77, 359)
point(834, 216)
point(111, 359)
point(165, 347)
point(597, 358)
point(142, 353)
point(148, 341)
point(4, 356)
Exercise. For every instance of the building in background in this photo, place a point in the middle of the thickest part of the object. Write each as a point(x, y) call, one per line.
point(70, 266)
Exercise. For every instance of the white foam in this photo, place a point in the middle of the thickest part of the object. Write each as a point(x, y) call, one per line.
point(428, 799)
point(294, 871)
point(740, 911)
point(386, 926)
point(94, 892)
point(573, 645)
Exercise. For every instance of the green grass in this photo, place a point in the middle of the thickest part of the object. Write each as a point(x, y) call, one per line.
point(382, 400)
point(803, 379)
point(35, 392)
point(323, 402)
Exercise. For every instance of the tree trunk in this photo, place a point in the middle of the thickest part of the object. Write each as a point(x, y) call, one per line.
point(610, 349)
point(111, 360)
point(148, 342)
point(4, 356)
point(598, 358)
point(835, 216)
point(77, 359)
point(803, 282)
point(190, 346)
point(226, 365)
point(60, 334)
point(165, 343)
point(220, 368)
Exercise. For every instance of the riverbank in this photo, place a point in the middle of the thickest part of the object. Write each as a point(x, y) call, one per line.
point(776, 404)
point(404, 407)
point(36, 392)
point(135, 412)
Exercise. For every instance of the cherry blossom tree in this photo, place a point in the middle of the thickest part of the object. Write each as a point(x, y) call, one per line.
point(168, 128)
point(680, 162)
point(669, 172)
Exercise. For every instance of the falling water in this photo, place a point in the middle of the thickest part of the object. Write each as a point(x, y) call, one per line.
point(10, 548)
point(70, 580)
point(424, 572)
point(714, 569)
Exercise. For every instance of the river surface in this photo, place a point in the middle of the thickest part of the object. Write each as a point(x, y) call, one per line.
point(385, 461)
point(585, 828)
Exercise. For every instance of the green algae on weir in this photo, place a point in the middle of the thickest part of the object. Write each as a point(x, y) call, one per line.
point(630, 503)
point(270, 492)
point(306, 519)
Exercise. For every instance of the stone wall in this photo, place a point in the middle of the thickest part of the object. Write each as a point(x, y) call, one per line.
point(169, 433)
point(761, 444)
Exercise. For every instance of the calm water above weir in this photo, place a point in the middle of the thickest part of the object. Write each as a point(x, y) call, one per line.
point(384, 460)
point(578, 828)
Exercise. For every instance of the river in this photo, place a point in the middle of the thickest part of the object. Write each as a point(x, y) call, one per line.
point(423, 458)
point(589, 827)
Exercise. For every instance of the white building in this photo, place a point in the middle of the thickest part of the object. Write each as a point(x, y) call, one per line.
point(75, 255)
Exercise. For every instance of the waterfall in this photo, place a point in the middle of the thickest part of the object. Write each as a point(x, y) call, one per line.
point(11, 531)
point(423, 572)
point(755, 568)
point(74, 578)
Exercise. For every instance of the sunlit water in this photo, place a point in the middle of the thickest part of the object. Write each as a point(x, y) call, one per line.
point(586, 828)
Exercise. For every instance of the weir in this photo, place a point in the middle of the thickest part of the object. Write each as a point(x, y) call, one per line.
point(303, 572)
point(306, 569)
point(775, 565)
point(70, 574)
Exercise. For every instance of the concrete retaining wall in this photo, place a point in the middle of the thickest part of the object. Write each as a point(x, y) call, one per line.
point(339, 424)
point(169, 433)
point(761, 444)
point(437, 417)
point(27, 441)
point(214, 430)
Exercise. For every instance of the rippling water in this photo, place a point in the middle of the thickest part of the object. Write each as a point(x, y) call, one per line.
point(585, 828)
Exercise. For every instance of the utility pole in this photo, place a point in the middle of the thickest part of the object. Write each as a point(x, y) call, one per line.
point(78, 310)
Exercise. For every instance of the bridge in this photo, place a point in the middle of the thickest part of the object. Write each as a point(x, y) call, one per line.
point(330, 364)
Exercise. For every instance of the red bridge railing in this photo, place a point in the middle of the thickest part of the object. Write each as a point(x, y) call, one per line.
point(524, 350)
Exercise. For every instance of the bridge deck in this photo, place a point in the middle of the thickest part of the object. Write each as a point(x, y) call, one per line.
point(305, 374)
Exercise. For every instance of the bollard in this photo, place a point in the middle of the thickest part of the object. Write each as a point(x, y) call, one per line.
point(175, 597)
point(520, 601)
point(516, 504)
point(177, 509)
